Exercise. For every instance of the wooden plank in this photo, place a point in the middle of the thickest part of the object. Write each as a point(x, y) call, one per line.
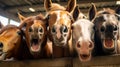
point(63, 62)
point(102, 61)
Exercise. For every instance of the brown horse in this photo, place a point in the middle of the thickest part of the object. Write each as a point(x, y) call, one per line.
point(35, 31)
point(83, 36)
point(59, 20)
point(106, 30)
point(11, 43)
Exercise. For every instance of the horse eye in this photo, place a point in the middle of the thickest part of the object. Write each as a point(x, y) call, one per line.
point(30, 29)
point(53, 29)
point(19, 33)
point(78, 45)
point(65, 30)
point(40, 30)
point(115, 28)
point(102, 29)
point(48, 17)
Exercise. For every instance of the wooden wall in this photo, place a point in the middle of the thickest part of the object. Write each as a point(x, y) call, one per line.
point(101, 61)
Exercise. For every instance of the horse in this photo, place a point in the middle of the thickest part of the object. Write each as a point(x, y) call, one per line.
point(118, 41)
point(59, 21)
point(35, 34)
point(83, 36)
point(106, 28)
point(11, 44)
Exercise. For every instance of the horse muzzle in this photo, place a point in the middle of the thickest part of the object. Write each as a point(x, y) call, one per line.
point(3, 55)
point(109, 43)
point(84, 57)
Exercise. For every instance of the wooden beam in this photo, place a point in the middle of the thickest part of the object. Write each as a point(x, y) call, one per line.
point(99, 61)
point(62, 3)
point(8, 15)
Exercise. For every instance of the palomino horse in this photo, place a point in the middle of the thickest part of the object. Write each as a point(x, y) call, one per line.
point(11, 43)
point(83, 36)
point(106, 30)
point(59, 20)
point(35, 31)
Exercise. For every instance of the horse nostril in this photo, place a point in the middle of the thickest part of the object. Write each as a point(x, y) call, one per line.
point(90, 45)
point(1, 44)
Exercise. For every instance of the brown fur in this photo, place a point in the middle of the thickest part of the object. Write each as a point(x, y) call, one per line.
point(11, 38)
point(51, 19)
point(36, 22)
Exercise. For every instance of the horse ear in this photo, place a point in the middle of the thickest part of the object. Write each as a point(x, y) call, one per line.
point(92, 12)
point(47, 4)
point(21, 17)
point(118, 10)
point(71, 5)
point(76, 13)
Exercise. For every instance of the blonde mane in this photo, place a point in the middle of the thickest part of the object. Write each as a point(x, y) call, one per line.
point(56, 6)
point(106, 11)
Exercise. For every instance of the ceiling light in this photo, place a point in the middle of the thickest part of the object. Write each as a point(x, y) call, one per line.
point(118, 2)
point(31, 9)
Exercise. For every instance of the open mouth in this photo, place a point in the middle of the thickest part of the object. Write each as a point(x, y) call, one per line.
point(35, 47)
point(84, 57)
point(108, 43)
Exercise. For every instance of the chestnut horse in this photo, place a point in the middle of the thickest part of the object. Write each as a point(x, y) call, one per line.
point(11, 44)
point(106, 30)
point(35, 31)
point(83, 36)
point(59, 20)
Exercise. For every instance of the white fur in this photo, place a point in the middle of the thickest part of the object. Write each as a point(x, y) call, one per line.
point(83, 29)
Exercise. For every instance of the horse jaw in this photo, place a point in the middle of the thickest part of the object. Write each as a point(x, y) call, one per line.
point(84, 58)
point(3, 56)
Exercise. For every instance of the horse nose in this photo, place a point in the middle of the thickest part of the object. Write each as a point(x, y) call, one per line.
point(1, 44)
point(91, 45)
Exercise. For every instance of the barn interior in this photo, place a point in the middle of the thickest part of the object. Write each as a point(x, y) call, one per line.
point(10, 8)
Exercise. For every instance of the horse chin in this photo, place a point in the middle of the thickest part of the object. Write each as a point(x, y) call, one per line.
point(108, 44)
point(60, 44)
point(84, 57)
point(2, 56)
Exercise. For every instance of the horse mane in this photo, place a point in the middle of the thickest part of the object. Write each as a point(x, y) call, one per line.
point(56, 6)
point(106, 11)
point(40, 17)
point(8, 27)
point(31, 18)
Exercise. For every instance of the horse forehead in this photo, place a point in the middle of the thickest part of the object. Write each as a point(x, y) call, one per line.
point(85, 28)
point(37, 23)
point(62, 17)
point(9, 33)
point(111, 19)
